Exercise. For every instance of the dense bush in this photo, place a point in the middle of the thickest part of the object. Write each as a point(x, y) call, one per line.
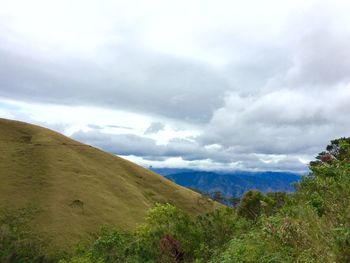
point(18, 241)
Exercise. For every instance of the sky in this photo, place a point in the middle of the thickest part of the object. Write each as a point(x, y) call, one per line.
point(214, 85)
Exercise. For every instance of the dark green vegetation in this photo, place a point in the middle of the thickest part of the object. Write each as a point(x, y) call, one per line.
point(65, 190)
point(309, 225)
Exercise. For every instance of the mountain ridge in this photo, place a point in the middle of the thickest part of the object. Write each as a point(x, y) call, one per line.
point(232, 184)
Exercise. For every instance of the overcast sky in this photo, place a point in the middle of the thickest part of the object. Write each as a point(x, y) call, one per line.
point(249, 85)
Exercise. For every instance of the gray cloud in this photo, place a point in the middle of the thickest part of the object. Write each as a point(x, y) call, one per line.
point(278, 89)
point(320, 53)
point(95, 127)
point(128, 144)
point(119, 127)
point(294, 105)
point(155, 127)
point(127, 78)
point(123, 144)
point(282, 122)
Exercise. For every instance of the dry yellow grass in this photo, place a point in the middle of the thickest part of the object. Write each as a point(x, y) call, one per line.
point(78, 187)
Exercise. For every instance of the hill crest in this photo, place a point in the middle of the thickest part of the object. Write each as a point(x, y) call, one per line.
point(78, 187)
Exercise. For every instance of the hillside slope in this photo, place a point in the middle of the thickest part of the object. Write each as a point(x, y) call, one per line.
point(77, 187)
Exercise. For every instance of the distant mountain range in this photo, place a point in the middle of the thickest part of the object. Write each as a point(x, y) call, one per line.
point(231, 184)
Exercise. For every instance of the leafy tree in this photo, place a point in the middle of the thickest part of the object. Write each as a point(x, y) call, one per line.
point(277, 200)
point(216, 229)
point(235, 201)
point(166, 220)
point(111, 246)
point(252, 204)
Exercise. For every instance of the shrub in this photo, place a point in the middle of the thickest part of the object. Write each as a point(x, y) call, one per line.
point(18, 241)
point(163, 220)
point(253, 204)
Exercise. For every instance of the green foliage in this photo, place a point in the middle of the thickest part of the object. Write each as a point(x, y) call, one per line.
point(111, 246)
point(81, 259)
point(277, 199)
point(165, 220)
point(253, 204)
point(300, 231)
point(311, 225)
point(17, 238)
point(235, 201)
point(342, 243)
point(251, 248)
point(216, 229)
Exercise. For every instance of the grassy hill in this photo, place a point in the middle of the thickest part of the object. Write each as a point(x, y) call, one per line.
point(76, 187)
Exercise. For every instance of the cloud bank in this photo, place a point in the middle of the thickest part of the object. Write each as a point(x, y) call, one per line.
point(256, 85)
